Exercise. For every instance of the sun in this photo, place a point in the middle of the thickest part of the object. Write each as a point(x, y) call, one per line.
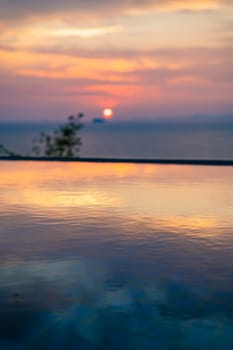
point(107, 113)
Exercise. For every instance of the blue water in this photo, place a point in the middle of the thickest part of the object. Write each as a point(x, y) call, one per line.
point(136, 140)
point(115, 256)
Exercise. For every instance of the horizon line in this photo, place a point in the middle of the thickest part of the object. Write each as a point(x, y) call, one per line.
point(204, 162)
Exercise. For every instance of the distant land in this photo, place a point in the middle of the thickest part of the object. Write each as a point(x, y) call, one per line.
point(217, 118)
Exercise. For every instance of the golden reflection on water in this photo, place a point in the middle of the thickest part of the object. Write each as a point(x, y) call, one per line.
point(206, 227)
point(36, 197)
point(175, 196)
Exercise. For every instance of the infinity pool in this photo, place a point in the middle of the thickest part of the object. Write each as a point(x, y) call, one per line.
point(115, 256)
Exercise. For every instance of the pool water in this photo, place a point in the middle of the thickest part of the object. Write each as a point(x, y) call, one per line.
point(115, 256)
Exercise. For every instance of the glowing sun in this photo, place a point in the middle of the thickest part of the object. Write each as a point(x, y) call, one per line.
point(107, 113)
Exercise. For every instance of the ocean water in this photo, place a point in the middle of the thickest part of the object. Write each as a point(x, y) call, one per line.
point(115, 256)
point(136, 140)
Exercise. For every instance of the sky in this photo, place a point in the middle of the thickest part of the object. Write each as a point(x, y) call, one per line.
point(145, 59)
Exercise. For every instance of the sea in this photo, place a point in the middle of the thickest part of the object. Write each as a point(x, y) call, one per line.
point(109, 256)
point(115, 256)
point(141, 139)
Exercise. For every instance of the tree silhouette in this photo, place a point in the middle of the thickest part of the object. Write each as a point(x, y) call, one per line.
point(6, 152)
point(64, 142)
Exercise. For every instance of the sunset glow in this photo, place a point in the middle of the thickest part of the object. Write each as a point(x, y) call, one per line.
point(153, 58)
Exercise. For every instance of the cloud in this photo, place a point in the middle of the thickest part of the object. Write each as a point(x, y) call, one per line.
point(157, 75)
point(85, 32)
point(57, 53)
point(126, 33)
point(82, 11)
